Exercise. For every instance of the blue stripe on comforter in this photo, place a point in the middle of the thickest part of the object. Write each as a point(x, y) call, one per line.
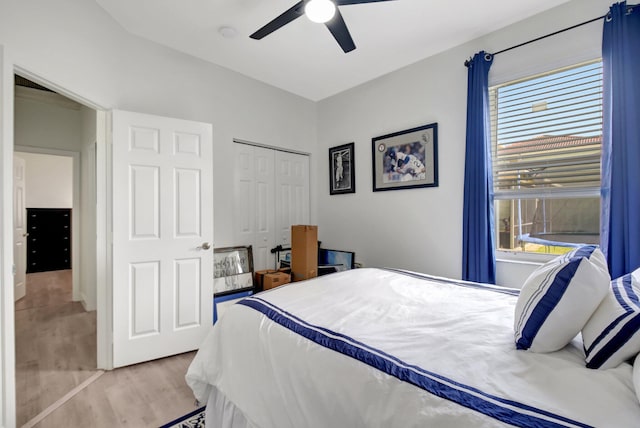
point(460, 283)
point(508, 411)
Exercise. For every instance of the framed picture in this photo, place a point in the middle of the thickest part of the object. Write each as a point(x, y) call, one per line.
point(406, 159)
point(342, 170)
point(233, 270)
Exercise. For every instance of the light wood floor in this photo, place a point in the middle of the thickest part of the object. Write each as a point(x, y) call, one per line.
point(56, 352)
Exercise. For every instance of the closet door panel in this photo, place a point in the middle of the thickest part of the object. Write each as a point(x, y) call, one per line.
point(254, 202)
point(292, 194)
point(264, 208)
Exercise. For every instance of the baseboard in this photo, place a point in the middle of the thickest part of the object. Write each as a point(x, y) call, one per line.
point(87, 307)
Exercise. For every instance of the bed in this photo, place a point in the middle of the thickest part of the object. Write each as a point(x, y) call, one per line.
point(390, 348)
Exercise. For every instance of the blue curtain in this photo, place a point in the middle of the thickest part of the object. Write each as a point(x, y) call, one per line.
point(619, 224)
point(478, 245)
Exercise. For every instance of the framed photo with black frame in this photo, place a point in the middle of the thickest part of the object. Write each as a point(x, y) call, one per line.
point(342, 169)
point(233, 270)
point(406, 159)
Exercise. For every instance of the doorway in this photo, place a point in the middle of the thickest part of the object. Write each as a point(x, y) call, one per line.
point(55, 323)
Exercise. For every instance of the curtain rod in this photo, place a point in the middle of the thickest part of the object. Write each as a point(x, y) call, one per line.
point(467, 62)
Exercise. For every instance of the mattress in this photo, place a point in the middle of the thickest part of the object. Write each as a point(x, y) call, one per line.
point(388, 348)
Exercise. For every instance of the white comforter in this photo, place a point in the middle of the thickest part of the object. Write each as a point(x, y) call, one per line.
point(435, 353)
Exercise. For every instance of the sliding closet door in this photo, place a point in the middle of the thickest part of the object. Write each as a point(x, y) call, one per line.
point(271, 194)
point(292, 194)
point(254, 202)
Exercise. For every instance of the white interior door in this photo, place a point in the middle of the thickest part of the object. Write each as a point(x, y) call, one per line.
point(162, 235)
point(254, 202)
point(19, 228)
point(292, 194)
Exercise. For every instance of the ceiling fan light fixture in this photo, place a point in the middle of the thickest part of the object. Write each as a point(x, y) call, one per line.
point(320, 11)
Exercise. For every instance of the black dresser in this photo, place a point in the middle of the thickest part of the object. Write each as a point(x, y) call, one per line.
point(49, 240)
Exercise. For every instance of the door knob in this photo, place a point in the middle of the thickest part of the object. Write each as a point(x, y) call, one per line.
point(24, 235)
point(205, 246)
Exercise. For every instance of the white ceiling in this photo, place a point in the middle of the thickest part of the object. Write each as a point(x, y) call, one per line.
point(303, 57)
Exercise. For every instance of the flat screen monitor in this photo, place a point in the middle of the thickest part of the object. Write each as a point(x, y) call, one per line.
point(344, 259)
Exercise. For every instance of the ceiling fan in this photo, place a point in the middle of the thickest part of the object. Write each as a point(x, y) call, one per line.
point(320, 11)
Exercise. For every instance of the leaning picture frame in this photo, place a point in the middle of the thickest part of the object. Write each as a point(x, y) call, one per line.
point(233, 270)
point(342, 166)
point(406, 159)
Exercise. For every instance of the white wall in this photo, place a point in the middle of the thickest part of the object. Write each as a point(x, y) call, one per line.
point(76, 45)
point(421, 229)
point(46, 120)
point(49, 181)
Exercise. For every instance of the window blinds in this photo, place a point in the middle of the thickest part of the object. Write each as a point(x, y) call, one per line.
point(547, 133)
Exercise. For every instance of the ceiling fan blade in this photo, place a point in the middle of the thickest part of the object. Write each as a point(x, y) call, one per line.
point(295, 11)
point(348, 2)
point(340, 32)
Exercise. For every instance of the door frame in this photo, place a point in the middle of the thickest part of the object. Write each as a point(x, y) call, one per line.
point(104, 356)
point(103, 217)
point(7, 332)
point(76, 210)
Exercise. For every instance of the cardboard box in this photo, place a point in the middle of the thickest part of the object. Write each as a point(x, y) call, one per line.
point(304, 252)
point(275, 279)
point(286, 270)
point(258, 280)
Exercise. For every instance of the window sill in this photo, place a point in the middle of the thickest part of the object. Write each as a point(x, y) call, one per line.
point(523, 258)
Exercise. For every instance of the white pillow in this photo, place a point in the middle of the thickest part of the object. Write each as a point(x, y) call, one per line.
point(558, 298)
point(636, 376)
point(612, 335)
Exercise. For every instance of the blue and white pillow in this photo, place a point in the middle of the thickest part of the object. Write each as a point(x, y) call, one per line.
point(558, 298)
point(612, 335)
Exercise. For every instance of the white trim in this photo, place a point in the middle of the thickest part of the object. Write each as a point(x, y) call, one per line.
point(265, 146)
point(7, 331)
point(56, 88)
point(522, 257)
point(547, 193)
point(76, 262)
point(104, 298)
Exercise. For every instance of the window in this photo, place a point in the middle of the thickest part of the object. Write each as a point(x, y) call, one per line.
point(546, 146)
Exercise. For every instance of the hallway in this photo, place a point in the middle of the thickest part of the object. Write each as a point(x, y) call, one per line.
point(55, 343)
